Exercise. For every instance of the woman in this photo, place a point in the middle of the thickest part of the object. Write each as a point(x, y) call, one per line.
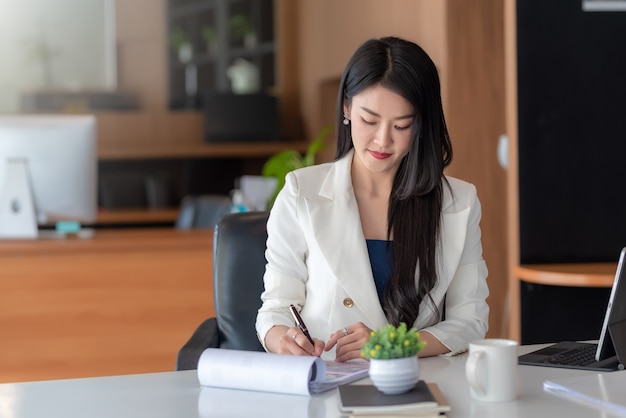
point(380, 235)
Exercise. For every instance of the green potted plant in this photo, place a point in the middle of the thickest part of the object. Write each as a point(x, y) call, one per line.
point(241, 29)
point(209, 35)
point(285, 161)
point(392, 352)
point(182, 45)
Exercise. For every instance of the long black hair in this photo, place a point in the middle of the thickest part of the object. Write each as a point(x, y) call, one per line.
point(415, 203)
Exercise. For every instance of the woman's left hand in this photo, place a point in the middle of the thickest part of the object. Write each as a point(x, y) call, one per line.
point(349, 341)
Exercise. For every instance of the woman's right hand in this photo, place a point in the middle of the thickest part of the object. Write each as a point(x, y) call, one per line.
point(349, 341)
point(291, 340)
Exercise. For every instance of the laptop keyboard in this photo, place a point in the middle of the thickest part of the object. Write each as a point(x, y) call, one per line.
point(580, 356)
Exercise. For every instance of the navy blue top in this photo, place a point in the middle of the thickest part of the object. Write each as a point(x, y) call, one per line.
point(381, 259)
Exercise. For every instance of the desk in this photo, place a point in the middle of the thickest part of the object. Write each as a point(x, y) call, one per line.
point(178, 394)
point(137, 216)
point(121, 302)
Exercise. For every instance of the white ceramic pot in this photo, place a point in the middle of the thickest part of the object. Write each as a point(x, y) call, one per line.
point(394, 376)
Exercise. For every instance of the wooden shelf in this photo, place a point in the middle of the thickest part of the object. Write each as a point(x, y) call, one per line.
point(575, 274)
point(217, 150)
point(137, 216)
point(164, 134)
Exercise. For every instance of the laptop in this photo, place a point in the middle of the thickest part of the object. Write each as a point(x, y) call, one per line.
point(609, 353)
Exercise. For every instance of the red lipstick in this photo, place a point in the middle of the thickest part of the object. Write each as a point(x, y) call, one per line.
point(379, 155)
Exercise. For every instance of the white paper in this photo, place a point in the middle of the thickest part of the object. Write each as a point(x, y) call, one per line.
point(339, 373)
point(257, 190)
point(259, 371)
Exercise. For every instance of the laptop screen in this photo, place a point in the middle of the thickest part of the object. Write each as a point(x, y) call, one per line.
point(613, 327)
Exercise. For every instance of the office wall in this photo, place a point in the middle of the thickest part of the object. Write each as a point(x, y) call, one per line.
point(475, 114)
point(141, 49)
point(330, 31)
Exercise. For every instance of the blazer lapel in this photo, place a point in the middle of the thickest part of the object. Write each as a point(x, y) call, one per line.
point(337, 228)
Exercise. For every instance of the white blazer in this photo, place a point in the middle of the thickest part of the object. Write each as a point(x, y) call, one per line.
point(317, 259)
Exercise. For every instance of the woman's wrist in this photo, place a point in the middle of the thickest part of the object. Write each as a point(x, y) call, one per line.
point(433, 347)
point(272, 338)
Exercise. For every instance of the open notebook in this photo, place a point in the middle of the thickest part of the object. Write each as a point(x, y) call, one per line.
point(610, 351)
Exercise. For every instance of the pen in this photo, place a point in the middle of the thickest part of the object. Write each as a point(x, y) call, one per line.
point(300, 323)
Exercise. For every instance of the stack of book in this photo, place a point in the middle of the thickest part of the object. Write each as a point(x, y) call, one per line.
point(424, 400)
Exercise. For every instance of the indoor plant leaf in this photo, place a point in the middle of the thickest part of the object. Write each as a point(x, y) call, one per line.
point(278, 165)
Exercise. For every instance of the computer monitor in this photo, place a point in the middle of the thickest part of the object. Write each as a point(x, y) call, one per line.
point(48, 172)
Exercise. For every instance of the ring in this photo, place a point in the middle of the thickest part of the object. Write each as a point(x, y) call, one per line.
point(345, 331)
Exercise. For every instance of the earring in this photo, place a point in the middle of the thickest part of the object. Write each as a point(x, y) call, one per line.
point(346, 121)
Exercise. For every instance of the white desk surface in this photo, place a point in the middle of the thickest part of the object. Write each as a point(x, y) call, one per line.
point(178, 394)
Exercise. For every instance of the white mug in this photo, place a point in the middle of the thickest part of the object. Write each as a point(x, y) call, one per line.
point(491, 369)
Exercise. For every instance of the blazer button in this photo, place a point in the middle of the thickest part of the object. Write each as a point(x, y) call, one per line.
point(348, 303)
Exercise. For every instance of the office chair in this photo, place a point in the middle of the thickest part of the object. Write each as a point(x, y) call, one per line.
point(238, 268)
point(202, 211)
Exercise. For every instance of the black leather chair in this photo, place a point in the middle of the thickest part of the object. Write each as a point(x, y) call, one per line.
point(238, 268)
point(202, 211)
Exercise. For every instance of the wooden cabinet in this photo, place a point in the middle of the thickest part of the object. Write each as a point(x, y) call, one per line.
point(206, 38)
point(120, 302)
